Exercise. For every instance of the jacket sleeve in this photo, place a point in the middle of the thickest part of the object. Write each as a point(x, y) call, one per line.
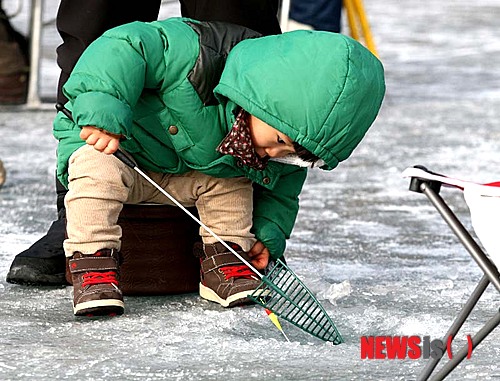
point(275, 211)
point(110, 76)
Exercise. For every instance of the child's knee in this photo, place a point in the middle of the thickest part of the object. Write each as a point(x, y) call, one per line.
point(237, 186)
point(92, 165)
point(235, 194)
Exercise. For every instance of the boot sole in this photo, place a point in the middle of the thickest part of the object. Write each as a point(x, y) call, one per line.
point(99, 308)
point(233, 300)
point(28, 276)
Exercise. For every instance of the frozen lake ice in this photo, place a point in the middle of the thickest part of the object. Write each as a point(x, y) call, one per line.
point(379, 257)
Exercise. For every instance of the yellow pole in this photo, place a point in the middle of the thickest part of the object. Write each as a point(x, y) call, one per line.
point(351, 18)
point(356, 14)
point(365, 26)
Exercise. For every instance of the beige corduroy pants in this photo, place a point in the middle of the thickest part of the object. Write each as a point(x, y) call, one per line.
point(100, 184)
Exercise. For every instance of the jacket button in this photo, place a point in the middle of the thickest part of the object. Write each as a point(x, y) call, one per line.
point(266, 180)
point(239, 163)
point(173, 130)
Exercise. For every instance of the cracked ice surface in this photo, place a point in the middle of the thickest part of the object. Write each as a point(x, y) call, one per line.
point(379, 257)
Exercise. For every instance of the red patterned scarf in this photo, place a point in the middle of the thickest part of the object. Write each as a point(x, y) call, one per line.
point(238, 143)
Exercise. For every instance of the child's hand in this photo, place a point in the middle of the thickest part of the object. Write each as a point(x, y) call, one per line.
point(259, 256)
point(102, 141)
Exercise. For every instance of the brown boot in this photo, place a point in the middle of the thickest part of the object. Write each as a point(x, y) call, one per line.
point(224, 278)
point(95, 283)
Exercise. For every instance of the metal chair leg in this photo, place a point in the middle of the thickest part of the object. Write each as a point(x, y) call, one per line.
point(476, 340)
point(457, 324)
point(33, 98)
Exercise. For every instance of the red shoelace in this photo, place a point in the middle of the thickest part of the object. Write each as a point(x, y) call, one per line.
point(242, 271)
point(93, 277)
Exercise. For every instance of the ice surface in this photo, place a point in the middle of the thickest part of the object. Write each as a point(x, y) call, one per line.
point(378, 256)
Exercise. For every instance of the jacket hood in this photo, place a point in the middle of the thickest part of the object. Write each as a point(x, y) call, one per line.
point(321, 89)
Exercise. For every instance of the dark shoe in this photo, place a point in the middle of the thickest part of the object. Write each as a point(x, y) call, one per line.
point(95, 283)
point(224, 278)
point(44, 262)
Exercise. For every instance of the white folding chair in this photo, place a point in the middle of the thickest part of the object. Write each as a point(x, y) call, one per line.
point(483, 200)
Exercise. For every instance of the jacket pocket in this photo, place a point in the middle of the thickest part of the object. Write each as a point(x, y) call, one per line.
point(180, 137)
point(149, 140)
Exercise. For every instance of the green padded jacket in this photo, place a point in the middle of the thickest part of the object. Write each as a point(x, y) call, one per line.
point(172, 89)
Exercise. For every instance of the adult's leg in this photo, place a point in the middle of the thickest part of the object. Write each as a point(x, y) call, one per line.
point(79, 23)
point(320, 15)
point(79, 27)
point(259, 15)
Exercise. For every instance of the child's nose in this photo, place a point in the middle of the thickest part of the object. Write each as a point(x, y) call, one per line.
point(261, 152)
point(275, 152)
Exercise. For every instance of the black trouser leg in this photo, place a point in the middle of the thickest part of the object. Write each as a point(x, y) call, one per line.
point(320, 14)
point(81, 22)
point(259, 15)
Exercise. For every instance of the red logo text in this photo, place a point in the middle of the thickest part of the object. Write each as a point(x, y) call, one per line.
point(407, 347)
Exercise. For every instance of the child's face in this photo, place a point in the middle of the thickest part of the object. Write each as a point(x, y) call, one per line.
point(268, 141)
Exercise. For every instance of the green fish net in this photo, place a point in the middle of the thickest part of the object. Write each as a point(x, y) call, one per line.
point(282, 292)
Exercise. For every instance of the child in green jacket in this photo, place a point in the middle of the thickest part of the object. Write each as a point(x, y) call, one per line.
point(208, 110)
